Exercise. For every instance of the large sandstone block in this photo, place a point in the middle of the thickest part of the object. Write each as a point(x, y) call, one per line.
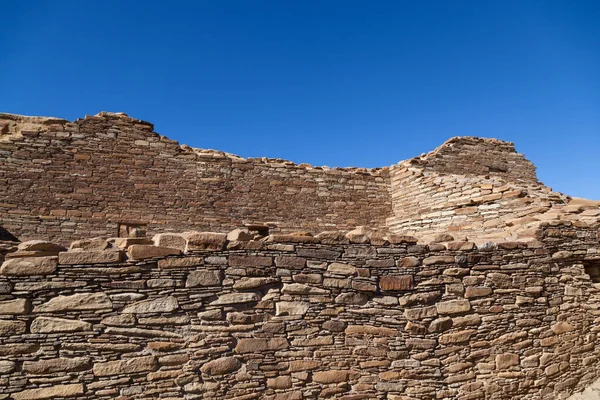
point(334, 376)
point(204, 278)
point(206, 241)
point(235, 298)
point(221, 366)
point(76, 302)
point(359, 330)
point(50, 392)
point(160, 305)
point(58, 325)
point(53, 365)
point(299, 288)
point(172, 240)
point(245, 345)
point(90, 257)
point(124, 367)
point(10, 328)
point(141, 251)
point(453, 307)
point(41, 246)
point(15, 307)
point(29, 266)
point(291, 308)
point(184, 262)
point(250, 261)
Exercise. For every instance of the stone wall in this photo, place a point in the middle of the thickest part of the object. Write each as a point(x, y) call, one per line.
point(350, 317)
point(62, 180)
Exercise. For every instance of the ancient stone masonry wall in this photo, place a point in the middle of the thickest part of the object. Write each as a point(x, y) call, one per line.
point(468, 155)
point(479, 207)
point(301, 317)
point(62, 181)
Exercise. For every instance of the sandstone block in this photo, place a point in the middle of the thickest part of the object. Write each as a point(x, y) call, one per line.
point(204, 278)
point(127, 366)
point(185, 262)
point(477, 291)
point(562, 327)
point(206, 241)
point(438, 260)
point(394, 283)
point(352, 298)
point(10, 328)
point(124, 243)
point(240, 235)
point(76, 302)
point(281, 382)
point(235, 298)
point(29, 266)
point(246, 345)
point(160, 305)
point(360, 330)
point(334, 376)
point(15, 307)
point(298, 288)
point(334, 326)
point(291, 308)
point(18, 349)
point(342, 269)
point(506, 360)
point(141, 251)
point(415, 314)
point(408, 262)
point(52, 365)
point(253, 283)
point(456, 337)
point(50, 392)
point(93, 244)
point(6, 367)
point(221, 366)
point(332, 237)
point(172, 240)
point(453, 307)
point(303, 365)
point(250, 261)
point(40, 245)
point(90, 257)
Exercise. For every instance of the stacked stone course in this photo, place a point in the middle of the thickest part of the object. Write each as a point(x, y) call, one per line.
point(295, 316)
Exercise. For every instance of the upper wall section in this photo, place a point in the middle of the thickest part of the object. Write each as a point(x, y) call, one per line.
point(62, 180)
point(477, 156)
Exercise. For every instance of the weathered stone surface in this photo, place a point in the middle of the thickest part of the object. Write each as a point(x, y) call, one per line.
point(140, 251)
point(254, 283)
point(80, 302)
point(15, 307)
point(171, 240)
point(51, 392)
point(29, 266)
point(456, 337)
point(259, 345)
point(18, 349)
point(358, 330)
point(128, 366)
point(342, 269)
point(160, 305)
point(204, 278)
point(239, 235)
point(205, 241)
point(53, 365)
point(221, 366)
point(453, 307)
point(334, 376)
point(90, 257)
point(235, 298)
point(93, 244)
point(477, 291)
point(291, 308)
point(58, 325)
point(185, 262)
point(507, 360)
point(10, 328)
point(298, 288)
point(40, 245)
point(394, 283)
point(352, 298)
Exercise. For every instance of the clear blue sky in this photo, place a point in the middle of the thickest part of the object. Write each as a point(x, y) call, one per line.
point(338, 83)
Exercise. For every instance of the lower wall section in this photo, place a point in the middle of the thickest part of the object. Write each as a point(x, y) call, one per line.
point(288, 320)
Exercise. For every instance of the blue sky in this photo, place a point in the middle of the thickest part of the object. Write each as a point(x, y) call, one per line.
point(338, 83)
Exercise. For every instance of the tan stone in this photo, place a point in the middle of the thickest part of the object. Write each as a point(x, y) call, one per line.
point(506, 360)
point(281, 382)
point(171, 240)
point(160, 305)
point(18, 349)
point(260, 345)
point(562, 327)
point(15, 307)
point(341, 269)
point(477, 291)
point(205, 241)
point(438, 260)
point(29, 266)
point(254, 283)
point(235, 298)
point(90, 257)
point(58, 325)
point(334, 376)
point(6, 367)
point(52, 365)
point(76, 302)
point(10, 328)
point(127, 366)
point(221, 366)
point(50, 392)
point(141, 251)
point(453, 307)
point(40, 245)
point(357, 330)
point(298, 288)
point(98, 243)
point(183, 262)
point(456, 337)
point(303, 365)
point(291, 308)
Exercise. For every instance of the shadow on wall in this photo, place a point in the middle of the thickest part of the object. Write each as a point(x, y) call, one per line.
point(7, 236)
